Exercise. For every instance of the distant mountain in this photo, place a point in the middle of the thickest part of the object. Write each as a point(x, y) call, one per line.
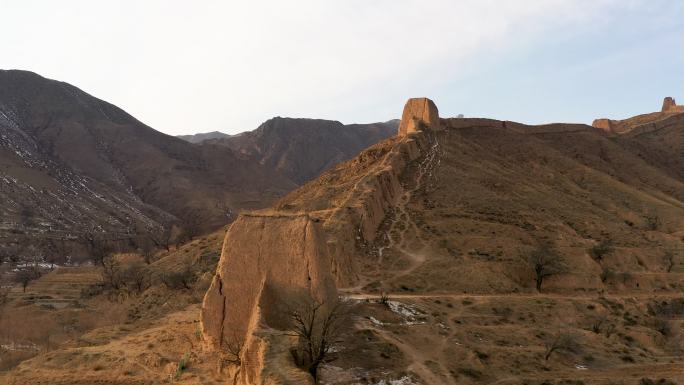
point(71, 163)
point(302, 149)
point(198, 138)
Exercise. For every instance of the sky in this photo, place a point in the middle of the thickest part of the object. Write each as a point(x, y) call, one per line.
point(197, 66)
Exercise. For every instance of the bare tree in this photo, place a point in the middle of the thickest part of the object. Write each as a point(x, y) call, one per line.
point(136, 276)
point(147, 253)
point(27, 216)
point(112, 273)
point(318, 329)
point(192, 224)
point(162, 237)
point(182, 279)
point(99, 248)
point(7, 253)
point(232, 349)
point(25, 275)
point(564, 342)
point(546, 263)
point(55, 252)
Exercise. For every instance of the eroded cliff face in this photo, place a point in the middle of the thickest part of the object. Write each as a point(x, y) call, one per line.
point(269, 263)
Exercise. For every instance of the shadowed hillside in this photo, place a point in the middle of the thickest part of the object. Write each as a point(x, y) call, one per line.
point(72, 164)
point(302, 149)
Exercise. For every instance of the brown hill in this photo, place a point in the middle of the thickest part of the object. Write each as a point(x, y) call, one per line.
point(302, 149)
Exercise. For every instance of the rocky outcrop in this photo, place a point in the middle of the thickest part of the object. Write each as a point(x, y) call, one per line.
point(418, 113)
point(269, 264)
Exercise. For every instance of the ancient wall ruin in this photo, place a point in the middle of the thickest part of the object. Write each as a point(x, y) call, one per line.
point(640, 122)
point(670, 105)
point(272, 261)
point(268, 265)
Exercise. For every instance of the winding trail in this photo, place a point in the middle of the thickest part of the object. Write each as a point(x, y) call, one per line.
point(403, 234)
point(348, 293)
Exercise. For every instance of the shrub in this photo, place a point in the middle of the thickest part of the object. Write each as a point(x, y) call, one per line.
point(384, 299)
point(652, 222)
point(182, 365)
point(136, 277)
point(663, 327)
point(601, 249)
point(177, 280)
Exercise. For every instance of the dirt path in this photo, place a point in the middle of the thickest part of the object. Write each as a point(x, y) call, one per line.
point(363, 296)
point(403, 234)
point(417, 359)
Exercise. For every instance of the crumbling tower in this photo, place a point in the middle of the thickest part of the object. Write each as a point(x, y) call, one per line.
point(418, 112)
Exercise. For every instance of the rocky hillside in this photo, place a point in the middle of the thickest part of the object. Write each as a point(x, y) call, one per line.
point(71, 163)
point(302, 149)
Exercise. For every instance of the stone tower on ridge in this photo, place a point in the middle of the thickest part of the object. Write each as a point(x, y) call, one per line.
point(418, 112)
point(670, 105)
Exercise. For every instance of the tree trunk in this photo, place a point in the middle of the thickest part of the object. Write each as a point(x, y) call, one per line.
point(313, 370)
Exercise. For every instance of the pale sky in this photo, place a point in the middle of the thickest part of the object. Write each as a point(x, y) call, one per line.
point(197, 66)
